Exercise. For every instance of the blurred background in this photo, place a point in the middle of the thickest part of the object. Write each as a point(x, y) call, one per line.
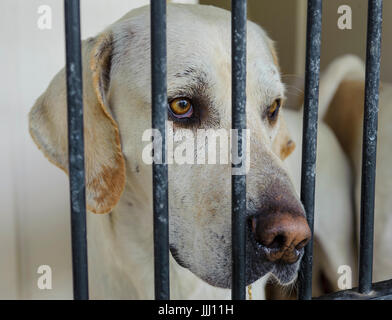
point(34, 222)
point(285, 22)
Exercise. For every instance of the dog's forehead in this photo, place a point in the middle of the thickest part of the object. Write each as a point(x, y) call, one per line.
point(199, 43)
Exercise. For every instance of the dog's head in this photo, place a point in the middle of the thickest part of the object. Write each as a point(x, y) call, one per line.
point(117, 102)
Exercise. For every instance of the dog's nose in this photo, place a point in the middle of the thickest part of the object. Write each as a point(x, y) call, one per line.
point(281, 235)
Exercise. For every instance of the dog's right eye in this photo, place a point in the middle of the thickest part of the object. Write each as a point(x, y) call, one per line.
point(181, 108)
point(273, 111)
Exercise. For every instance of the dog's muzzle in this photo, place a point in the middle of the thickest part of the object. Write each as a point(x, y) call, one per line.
point(280, 236)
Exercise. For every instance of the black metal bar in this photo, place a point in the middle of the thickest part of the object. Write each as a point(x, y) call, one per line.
point(160, 171)
point(238, 182)
point(380, 291)
point(309, 145)
point(369, 149)
point(76, 149)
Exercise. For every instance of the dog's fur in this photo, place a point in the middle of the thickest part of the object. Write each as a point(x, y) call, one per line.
point(334, 232)
point(334, 219)
point(117, 102)
point(338, 214)
point(345, 116)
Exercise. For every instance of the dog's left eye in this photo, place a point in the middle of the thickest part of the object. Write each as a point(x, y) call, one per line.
point(181, 108)
point(273, 110)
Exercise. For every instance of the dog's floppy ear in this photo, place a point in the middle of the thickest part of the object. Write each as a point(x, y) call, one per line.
point(105, 167)
point(342, 96)
point(346, 108)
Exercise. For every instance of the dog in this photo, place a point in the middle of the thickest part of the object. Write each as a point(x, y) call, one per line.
point(337, 232)
point(334, 244)
point(346, 105)
point(117, 111)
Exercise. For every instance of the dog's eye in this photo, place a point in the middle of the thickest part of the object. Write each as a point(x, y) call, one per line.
point(181, 108)
point(273, 110)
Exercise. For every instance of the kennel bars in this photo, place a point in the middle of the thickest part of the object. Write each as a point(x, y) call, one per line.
point(366, 290)
point(76, 149)
point(160, 172)
point(309, 144)
point(238, 118)
point(370, 123)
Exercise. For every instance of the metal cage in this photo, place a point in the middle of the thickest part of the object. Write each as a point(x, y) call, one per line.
point(366, 289)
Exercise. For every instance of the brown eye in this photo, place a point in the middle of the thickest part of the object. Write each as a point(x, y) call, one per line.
point(273, 110)
point(181, 108)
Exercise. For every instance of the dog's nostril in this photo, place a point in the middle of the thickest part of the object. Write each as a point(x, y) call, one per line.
point(278, 242)
point(284, 232)
point(302, 244)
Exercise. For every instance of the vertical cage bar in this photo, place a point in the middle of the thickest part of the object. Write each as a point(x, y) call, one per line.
point(238, 182)
point(76, 149)
point(309, 146)
point(160, 171)
point(369, 149)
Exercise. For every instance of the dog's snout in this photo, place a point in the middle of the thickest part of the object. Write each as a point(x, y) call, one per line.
point(281, 234)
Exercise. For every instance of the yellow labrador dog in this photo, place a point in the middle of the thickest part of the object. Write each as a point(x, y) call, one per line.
point(334, 241)
point(117, 104)
point(346, 105)
point(339, 175)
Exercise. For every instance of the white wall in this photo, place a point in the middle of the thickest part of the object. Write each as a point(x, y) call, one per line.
point(34, 222)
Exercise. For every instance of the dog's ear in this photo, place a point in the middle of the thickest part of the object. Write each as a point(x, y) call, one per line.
point(345, 108)
point(283, 145)
point(105, 167)
point(342, 92)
